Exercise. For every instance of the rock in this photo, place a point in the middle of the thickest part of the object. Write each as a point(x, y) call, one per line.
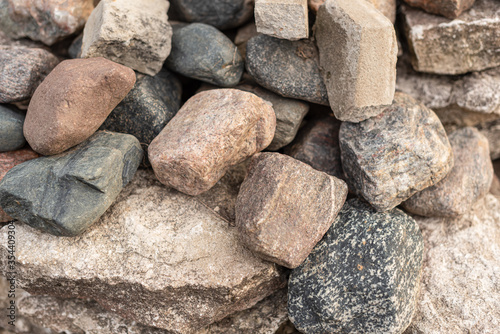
point(28, 43)
point(386, 7)
point(448, 8)
point(73, 101)
point(75, 48)
point(284, 208)
point(211, 132)
point(45, 21)
point(362, 277)
point(288, 68)
point(157, 257)
point(22, 70)
point(243, 35)
point(390, 157)
point(469, 43)
point(495, 186)
point(356, 74)
point(468, 181)
point(491, 130)
point(65, 194)
point(11, 129)
point(285, 19)
point(202, 52)
point(135, 34)
point(460, 291)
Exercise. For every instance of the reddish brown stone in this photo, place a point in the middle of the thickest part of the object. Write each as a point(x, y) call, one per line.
point(448, 8)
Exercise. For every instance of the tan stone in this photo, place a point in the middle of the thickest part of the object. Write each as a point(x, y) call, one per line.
point(449, 8)
point(386, 7)
point(285, 19)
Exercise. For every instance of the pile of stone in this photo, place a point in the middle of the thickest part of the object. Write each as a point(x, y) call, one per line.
point(267, 166)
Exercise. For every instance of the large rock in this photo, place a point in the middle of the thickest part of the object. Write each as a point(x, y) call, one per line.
point(356, 73)
point(390, 157)
point(133, 33)
point(11, 129)
point(212, 131)
point(362, 277)
point(73, 101)
point(65, 194)
point(448, 8)
point(286, 19)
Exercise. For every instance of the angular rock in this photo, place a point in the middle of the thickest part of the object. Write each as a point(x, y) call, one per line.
point(11, 129)
point(65, 194)
point(211, 132)
point(288, 68)
point(386, 7)
point(448, 8)
point(285, 19)
point(468, 181)
point(356, 74)
point(73, 101)
point(362, 277)
point(133, 33)
point(22, 70)
point(202, 52)
point(467, 44)
point(390, 157)
point(75, 48)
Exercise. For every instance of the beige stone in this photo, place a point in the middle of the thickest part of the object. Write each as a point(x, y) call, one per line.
point(449, 8)
point(285, 19)
point(386, 7)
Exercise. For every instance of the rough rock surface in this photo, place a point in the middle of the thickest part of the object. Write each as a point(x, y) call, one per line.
point(65, 194)
point(22, 70)
point(386, 7)
point(356, 74)
point(156, 256)
point(469, 43)
point(448, 8)
point(285, 19)
point(211, 132)
point(288, 68)
point(392, 156)
point(491, 130)
point(284, 208)
point(468, 181)
point(73, 101)
point(133, 33)
point(362, 277)
point(11, 129)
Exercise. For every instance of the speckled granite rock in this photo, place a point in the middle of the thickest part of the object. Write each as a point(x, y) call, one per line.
point(362, 277)
point(22, 70)
point(386, 7)
point(65, 194)
point(284, 208)
point(448, 8)
point(73, 101)
point(11, 129)
point(288, 68)
point(491, 130)
point(390, 157)
point(285, 19)
point(212, 131)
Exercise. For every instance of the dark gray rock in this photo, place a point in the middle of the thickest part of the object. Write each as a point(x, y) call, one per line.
point(75, 48)
point(362, 277)
point(202, 52)
point(66, 193)
point(11, 129)
point(288, 68)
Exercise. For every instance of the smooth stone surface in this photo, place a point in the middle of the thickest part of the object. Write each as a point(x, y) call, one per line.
point(386, 7)
point(11, 129)
point(448, 8)
point(362, 277)
point(212, 131)
point(491, 130)
point(288, 68)
point(22, 70)
point(65, 194)
point(285, 19)
point(390, 157)
point(202, 52)
point(73, 101)
point(132, 33)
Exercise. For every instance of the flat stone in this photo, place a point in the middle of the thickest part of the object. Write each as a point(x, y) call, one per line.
point(491, 130)
point(73, 101)
point(45, 21)
point(287, 68)
point(362, 277)
point(386, 7)
point(469, 43)
point(212, 131)
point(468, 181)
point(448, 8)
point(131, 33)
point(356, 73)
point(390, 157)
point(285, 19)
point(202, 52)
point(11, 129)
point(65, 194)
point(22, 70)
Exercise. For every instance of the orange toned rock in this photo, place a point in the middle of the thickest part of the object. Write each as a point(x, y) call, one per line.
point(73, 101)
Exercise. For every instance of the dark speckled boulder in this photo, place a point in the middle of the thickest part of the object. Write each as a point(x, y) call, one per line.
point(362, 277)
point(11, 129)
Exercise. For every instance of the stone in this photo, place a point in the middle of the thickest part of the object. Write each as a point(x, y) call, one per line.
point(285, 19)
point(467, 44)
point(287, 68)
point(157, 257)
point(22, 70)
point(212, 131)
point(362, 277)
point(460, 290)
point(28, 43)
point(392, 156)
point(386, 7)
point(65, 194)
point(495, 186)
point(73, 101)
point(243, 35)
point(74, 50)
point(11, 129)
point(491, 130)
point(45, 21)
point(131, 33)
point(447, 8)
point(202, 52)
point(356, 74)
point(468, 181)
